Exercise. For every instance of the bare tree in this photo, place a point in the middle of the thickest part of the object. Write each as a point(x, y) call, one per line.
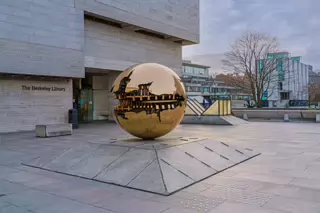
point(314, 93)
point(252, 62)
point(235, 80)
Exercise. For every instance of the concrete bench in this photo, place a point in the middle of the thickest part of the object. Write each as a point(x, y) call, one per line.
point(53, 130)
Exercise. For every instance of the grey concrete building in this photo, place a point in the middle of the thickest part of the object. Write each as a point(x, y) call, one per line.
point(56, 52)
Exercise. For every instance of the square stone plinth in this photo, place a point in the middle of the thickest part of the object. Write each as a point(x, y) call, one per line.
point(161, 166)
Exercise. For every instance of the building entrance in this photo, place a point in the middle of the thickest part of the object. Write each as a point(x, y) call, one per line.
point(92, 96)
point(83, 99)
point(85, 105)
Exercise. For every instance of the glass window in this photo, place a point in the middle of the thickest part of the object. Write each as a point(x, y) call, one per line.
point(284, 95)
point(187, 69)
point(280, 86)
point(201, 71)
point(206, 89)
point(260, 65)
point(193, 70)
point(196, 71)
point(279, 65)
point(281, 77)
point(280, 69)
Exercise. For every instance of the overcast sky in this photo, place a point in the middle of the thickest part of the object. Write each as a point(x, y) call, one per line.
point(295, 22)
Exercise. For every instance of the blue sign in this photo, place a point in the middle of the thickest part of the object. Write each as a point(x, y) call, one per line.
point(265, 96)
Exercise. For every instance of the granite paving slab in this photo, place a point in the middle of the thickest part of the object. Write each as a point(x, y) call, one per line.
point(127, 167)
point(97, 161)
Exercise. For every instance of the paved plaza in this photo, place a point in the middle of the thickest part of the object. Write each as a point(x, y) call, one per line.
point(284, 178)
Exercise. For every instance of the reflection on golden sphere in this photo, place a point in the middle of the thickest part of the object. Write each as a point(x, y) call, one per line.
point(151, 100)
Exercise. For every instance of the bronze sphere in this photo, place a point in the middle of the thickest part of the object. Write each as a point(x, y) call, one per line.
point(151, 100)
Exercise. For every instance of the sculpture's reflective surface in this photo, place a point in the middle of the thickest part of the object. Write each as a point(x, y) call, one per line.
point(151, 100)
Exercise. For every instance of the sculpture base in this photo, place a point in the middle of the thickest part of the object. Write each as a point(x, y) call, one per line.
point(162, 166)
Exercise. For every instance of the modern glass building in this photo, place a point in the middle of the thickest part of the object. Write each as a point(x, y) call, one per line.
point(289, 82)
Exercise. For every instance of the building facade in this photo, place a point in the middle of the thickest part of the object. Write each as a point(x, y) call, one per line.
point(289, 84)
point(199, 83)
point(196, 79)
point(59, 54)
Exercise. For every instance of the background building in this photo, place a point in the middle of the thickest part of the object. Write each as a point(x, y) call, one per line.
point(196, 79)
point(314, 88)
point(289, 84)
point(314, 76)
point(199, 83)
point(54, 53)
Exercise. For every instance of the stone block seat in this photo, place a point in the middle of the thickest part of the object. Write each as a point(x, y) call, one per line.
point(53, 130)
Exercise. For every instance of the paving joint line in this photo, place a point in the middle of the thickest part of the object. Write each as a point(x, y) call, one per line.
point(142, 171)
point(106, 167)
point(162, 178)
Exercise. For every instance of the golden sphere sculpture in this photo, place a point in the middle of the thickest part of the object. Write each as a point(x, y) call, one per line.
point(151, 100)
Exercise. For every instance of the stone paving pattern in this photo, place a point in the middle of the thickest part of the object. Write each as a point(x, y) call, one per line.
point(284, 178)
point(160, 166)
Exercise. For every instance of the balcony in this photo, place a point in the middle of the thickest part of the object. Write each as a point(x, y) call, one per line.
point(220, 93)
point(203, 76)
point(192, 84)
point(194, 93)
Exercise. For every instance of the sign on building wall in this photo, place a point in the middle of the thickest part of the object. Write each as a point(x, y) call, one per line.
point(26, 103)
point(43, 88)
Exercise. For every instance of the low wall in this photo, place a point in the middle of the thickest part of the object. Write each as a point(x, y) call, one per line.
point(270, 114)
point(209, 120)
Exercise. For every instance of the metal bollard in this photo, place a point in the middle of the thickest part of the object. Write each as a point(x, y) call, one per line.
point(286, 118)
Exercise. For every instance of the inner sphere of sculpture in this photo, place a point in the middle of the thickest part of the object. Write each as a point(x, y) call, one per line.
point(151, 100)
